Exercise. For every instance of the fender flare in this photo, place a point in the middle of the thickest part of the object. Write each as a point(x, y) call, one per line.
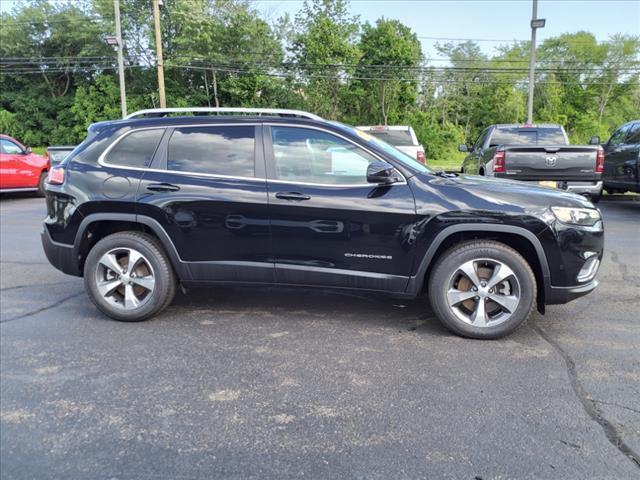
point(180, 267)
point(416, 282)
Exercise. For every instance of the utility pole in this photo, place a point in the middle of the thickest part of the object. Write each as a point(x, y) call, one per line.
point(156, 21)
point(535, 24)
point(123, 93)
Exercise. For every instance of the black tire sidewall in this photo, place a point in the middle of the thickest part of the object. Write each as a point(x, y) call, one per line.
point(161, 269)
point(42, 184)
point(439, 283)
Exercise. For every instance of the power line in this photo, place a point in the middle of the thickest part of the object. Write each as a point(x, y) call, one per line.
point(55, 22)
point(337, 77)
point(294, 76)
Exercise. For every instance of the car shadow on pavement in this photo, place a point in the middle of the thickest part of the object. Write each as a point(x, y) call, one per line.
point(305, 304)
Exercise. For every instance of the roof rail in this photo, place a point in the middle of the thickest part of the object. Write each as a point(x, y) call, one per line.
point(161, 112)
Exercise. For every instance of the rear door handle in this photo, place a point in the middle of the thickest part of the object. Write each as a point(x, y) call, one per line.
point(292, 196)
point(163, 187)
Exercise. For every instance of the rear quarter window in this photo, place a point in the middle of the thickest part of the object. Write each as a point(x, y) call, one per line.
point(136, 149)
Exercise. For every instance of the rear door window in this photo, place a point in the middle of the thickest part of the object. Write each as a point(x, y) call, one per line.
point(214, 150)
point(136, 149)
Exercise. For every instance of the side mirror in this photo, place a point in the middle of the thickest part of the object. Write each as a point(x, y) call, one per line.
point(463, 148)
point(595, 140)
point(28, 150)
point(382, 173)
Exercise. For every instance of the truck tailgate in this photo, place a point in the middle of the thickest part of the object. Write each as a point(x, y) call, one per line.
point(538, 162)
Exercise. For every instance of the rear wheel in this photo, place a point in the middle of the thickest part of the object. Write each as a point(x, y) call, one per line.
point(128, 276)
point(482, 289)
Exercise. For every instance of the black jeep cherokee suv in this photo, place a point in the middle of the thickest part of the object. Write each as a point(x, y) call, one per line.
point(284, 197)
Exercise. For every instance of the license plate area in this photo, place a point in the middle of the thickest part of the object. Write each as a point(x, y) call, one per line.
point(548, 183)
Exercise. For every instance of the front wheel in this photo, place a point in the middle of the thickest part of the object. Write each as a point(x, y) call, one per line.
point(482, 289)
point(128, 276)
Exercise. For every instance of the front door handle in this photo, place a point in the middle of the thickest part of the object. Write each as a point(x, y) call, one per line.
point(163, 187)
point(292, 196)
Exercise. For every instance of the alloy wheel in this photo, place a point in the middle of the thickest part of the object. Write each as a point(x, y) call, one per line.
point(125, 278)
point(483, 292)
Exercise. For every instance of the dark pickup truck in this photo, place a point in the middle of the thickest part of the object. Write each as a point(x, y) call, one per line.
point(622, 159)
point(537, 153)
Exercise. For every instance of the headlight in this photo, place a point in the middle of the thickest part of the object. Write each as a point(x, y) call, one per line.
point(586, 217)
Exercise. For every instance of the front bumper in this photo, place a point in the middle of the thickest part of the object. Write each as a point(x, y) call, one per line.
point(60, 255)
point(559, 295)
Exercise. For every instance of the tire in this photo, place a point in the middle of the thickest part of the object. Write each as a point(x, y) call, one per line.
point(595, 198)
point(121, 294)
point(42, 184)
point(448, 285)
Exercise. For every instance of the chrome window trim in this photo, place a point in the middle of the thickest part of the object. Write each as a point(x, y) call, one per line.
point(102, 158)
point(330, 132)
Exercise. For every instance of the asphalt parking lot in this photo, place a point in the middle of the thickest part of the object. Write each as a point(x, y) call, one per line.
point(280, 383)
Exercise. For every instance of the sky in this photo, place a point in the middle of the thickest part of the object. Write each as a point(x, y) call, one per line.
point(488, 19)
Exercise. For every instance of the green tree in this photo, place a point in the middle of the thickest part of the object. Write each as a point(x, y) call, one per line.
point(392, 54)
point(47, 50)
point(324, 48)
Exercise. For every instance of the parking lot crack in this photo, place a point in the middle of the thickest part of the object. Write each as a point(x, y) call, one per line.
point(617, 405)
point(624, 270)
point(43, 309)
point(590, 406)
point(18, 287)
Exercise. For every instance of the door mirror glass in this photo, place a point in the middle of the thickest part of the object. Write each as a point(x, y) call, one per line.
point(28, 150)
point(595, 140)
point(382, 173)
point(463, 148)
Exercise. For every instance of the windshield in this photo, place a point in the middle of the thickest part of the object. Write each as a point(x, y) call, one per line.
point(389, 149)
point(397, 138)
point(528, 136)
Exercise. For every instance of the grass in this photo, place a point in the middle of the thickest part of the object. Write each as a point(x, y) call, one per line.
point(444, 164)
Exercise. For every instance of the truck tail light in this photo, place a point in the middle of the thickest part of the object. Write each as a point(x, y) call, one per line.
point(56, 176)
point(420, 157)
point(498, 162)
point(600, 161)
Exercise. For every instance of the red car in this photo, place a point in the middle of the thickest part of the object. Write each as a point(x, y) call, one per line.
point(21, 170)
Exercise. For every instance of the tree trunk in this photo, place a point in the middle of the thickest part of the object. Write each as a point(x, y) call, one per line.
point(53, 94)
point(206, 86)
point(215, 89)
point(384, 113)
